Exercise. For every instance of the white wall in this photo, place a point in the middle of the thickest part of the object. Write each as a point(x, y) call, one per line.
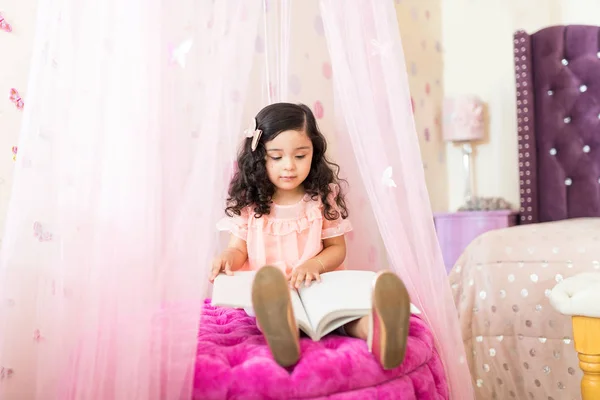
point(477, 42)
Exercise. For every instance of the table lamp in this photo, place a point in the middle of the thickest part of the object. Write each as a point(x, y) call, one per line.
point(463, 124)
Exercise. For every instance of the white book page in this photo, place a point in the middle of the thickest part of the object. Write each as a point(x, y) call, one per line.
point(236, 292)
point(301, 317)
point(233, 291)
point(340, 294)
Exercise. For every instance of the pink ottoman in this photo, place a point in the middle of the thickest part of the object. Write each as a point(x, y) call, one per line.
point(233, 362)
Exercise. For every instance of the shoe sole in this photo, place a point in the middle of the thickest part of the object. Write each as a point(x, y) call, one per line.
point(273, 308)
point(391, 318)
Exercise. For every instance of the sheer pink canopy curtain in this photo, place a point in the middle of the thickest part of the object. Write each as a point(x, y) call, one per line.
point(372, 93)
point(134, 112)
point(111, 223)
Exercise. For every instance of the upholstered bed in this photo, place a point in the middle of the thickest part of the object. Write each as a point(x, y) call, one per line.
point(517, 345)
point(233, 362)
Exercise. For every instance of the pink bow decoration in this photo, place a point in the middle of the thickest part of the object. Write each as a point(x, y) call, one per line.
point(15, 97)
point(5, 26)
point(252, 133)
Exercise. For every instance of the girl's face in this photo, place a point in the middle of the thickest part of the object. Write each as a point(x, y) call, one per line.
point(289, 157)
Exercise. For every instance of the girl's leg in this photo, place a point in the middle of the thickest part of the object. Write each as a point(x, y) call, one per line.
point(272, 305)
point(388, 334)
point(358, 328)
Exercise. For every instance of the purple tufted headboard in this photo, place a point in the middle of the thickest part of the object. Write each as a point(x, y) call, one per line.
point(558, 114)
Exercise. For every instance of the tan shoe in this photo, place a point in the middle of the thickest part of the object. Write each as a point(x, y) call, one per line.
point(274, 315)
point(389, 320)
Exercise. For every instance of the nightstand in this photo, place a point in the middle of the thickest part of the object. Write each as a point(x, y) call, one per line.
point(457, 229)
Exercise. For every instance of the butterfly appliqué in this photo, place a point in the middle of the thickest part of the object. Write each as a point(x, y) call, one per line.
point(387, 178)
point(37, 335)
point(381, 49)
point(15, 97)
point(6, 372)
point(5, 26)
point(180, 53)
point(40, 233)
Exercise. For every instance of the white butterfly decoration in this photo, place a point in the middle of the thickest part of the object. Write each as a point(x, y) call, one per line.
point(387, 179)
point(180, 52)
point(381, 49)
point(41, 233)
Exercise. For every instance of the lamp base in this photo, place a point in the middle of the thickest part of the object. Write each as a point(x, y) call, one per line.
point(485, 204)
point(467, 151)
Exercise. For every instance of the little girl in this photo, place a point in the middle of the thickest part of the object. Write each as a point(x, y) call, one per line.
point(287, 218)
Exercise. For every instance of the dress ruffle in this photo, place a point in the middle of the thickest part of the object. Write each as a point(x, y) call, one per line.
point(237, 225)
point(275, 226)
point(309, 214)
point(338, 228)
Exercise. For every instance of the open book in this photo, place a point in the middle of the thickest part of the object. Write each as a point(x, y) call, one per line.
point(340, 297)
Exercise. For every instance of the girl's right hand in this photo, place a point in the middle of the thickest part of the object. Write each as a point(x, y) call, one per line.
point(223, 263)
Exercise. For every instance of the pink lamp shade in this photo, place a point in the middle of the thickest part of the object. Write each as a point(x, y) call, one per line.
point(463, 119)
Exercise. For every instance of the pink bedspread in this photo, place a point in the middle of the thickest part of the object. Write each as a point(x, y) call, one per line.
point(234, 362)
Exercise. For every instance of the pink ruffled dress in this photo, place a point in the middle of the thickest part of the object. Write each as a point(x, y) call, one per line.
point(289, 236)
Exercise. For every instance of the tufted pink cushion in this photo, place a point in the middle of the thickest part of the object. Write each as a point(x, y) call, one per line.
point(234, 363)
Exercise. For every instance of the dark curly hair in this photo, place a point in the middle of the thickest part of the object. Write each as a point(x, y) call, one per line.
point(251, 186)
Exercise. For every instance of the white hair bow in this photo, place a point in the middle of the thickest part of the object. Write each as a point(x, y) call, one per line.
point(253, 133)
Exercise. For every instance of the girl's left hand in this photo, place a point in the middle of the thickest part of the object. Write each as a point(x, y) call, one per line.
point(307, 272)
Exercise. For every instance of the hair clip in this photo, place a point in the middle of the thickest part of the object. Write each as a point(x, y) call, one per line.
point(253, 133)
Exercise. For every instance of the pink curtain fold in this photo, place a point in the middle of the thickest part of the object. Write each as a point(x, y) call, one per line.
point(129, 120)
point(381, 149)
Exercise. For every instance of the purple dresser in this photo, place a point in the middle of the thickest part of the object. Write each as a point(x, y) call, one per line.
point(456, 230)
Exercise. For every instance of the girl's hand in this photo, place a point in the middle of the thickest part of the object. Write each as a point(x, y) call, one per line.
point(307, 272)
point(223, 262)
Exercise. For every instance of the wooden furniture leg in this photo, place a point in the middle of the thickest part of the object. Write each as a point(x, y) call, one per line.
point(586, 335)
